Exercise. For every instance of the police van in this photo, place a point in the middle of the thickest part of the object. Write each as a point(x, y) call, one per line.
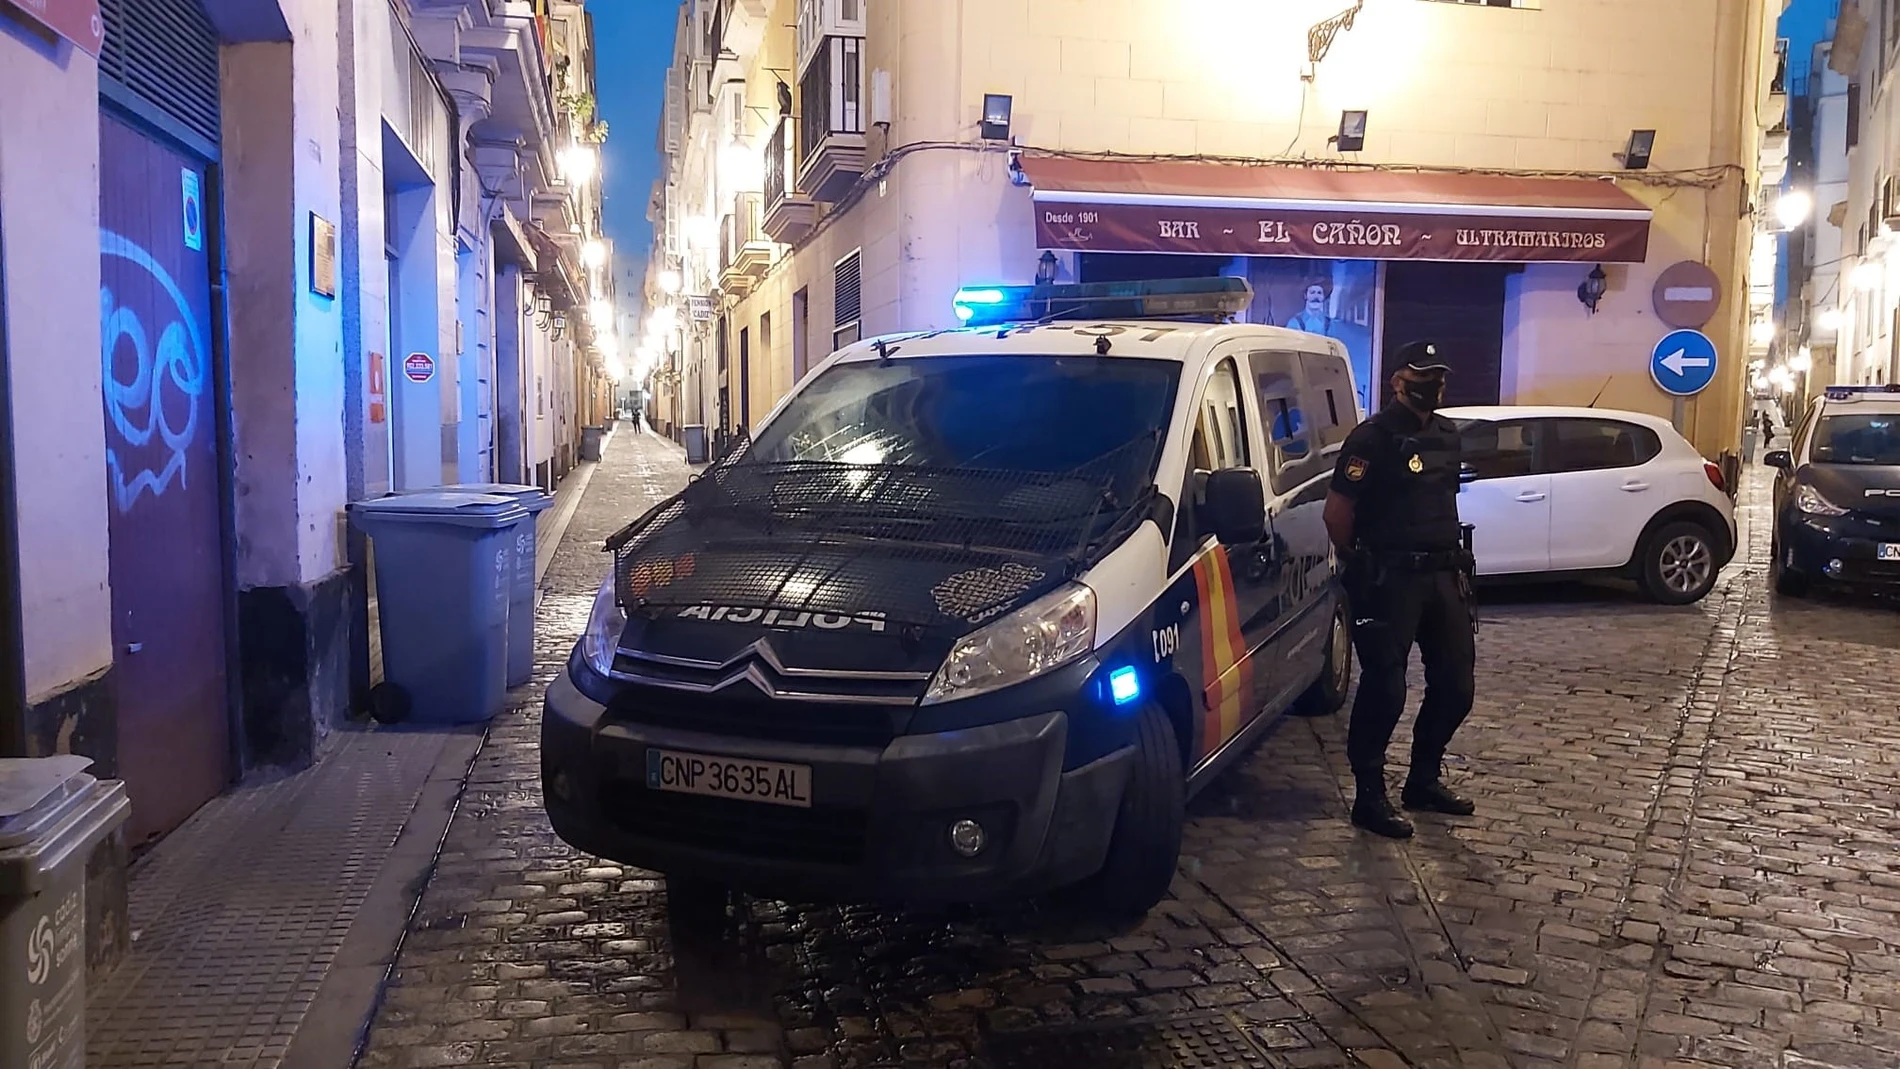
point(1837, 493)
point(973, 612)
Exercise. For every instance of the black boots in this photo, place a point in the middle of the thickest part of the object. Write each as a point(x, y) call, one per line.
point(1432, 796)
point(1373, 811)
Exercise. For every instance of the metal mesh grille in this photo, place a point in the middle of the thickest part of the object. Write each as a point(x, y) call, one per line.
point(868, 546)
point(165, 52)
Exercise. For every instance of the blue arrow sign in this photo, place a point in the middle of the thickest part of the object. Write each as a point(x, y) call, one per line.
point(1684, 363)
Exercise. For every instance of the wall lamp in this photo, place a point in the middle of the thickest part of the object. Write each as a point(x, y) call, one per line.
point(1593, 288)
point(996, 109)
point(1636, 154)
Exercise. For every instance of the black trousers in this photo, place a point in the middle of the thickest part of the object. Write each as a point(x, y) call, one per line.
point(1429, 608)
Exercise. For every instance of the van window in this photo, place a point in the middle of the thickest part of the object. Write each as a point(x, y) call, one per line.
point(1332, 405)
point(1221, 432)
point(1292, 455)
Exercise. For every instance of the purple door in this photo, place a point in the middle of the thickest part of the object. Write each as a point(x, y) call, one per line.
point(162, 486)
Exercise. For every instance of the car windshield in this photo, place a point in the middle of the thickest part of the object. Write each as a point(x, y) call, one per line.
point(1858, 438)
point(1024, 415)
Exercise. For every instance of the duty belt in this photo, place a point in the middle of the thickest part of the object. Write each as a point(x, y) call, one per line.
point(1430, 561)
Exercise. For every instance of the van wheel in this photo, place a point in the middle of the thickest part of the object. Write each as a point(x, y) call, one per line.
point(388, 703)
point(1327, 695)
point(1679, 564)
point(1788, 582)
point(1145, 849)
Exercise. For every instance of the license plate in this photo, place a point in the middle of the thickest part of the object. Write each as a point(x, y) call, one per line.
point(1890, 551)
point(729, 777)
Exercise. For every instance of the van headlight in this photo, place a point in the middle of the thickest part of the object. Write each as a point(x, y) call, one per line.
point(1040, 637)
point(1810, 501)
point(604, 626)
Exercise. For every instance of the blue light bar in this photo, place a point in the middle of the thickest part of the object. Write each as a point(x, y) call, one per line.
point(1176, 298)
point(1124, 685)
point(1849, 393)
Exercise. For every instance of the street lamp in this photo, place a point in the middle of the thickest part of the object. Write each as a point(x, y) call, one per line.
point(1829, 320)
point(594, 253)
point(1803, 361)
point(1865, 276)
point(579, 164)
point(669, 280)
point(1793, 208)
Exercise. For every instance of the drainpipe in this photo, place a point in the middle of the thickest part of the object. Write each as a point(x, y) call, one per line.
point(13, 728)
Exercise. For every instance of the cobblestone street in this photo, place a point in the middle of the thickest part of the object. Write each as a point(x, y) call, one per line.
point(1685, 855)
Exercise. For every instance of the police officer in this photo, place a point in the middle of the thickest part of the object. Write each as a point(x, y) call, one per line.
point(1393, 515)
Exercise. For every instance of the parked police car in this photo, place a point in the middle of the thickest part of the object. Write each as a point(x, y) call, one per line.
point(974, 611)
point(1837, 497)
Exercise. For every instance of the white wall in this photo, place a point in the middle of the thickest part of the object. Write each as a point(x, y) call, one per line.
point(49, 194)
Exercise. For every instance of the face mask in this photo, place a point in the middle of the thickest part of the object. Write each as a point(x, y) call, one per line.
point(1425, 395)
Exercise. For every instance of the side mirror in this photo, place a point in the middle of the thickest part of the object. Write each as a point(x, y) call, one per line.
point(1235, 506)
point(1779, 458)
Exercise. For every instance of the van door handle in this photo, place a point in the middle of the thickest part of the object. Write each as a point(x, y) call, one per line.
point(1530, 496)
point(1635, 486)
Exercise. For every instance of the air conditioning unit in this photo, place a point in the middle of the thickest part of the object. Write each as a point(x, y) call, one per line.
point(1889, 206)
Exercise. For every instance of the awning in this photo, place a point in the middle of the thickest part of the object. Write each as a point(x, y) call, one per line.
point(1237, 209)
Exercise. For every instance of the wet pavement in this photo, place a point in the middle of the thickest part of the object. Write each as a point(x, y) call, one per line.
point(1685, 855)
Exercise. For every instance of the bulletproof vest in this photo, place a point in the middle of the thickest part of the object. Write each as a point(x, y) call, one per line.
point(1412, 502)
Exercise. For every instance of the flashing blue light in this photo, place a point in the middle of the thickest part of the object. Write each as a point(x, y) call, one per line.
point(1849, 393)
point(989, 296)
point(1124, 685)
point(1193, 297)
point(964, 312)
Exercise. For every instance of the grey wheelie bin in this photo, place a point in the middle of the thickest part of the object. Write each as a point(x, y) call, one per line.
point(521, 586)
point(445, 562)
point(52, 814)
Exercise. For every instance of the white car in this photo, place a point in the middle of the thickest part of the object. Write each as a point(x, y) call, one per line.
point(1580, 492)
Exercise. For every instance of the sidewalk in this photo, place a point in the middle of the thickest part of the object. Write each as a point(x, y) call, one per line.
point(263, 929)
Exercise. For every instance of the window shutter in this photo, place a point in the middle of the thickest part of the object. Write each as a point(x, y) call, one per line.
point(847, 301)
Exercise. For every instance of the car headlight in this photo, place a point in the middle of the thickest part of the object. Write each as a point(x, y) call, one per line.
point(604, 626)
point(1041, 636)
point(1810, 501)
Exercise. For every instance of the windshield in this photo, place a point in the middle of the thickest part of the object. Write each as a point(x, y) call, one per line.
point(1017, 414)
point(1860, 438)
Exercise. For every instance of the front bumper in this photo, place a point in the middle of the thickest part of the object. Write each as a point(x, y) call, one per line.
point(878, 826)
point(1840, 549)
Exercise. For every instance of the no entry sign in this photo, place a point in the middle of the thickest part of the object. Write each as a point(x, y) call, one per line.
point(419, 367)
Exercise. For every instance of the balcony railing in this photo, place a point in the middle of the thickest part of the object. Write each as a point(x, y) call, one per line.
point(780, 174)
point(832, 93)
point(744, 251)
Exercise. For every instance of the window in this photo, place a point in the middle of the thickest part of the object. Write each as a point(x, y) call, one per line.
point(847, 301)
point(1220, 435)
point(1335, 406)
point(1853, 117)
point(1858, 438)
point(1500, 450)
point(1598, 444)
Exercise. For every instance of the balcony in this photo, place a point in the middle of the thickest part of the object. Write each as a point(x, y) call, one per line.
point(789, 214)
point(744, 251)
point(735, 32)
point(831, 128)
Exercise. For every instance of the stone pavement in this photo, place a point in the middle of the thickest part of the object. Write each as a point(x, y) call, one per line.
point(1686, 855)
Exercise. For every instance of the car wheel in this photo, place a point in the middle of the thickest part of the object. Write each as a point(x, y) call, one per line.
point(388, 703)
point(1788, 582)
point(1679, 564)
point(1327, 695)
point(1145, 848)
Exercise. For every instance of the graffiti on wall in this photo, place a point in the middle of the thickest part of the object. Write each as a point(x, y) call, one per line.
point(168, 376)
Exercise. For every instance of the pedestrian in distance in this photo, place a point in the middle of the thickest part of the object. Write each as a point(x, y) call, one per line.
point(1767, 431)
point(1392, 514)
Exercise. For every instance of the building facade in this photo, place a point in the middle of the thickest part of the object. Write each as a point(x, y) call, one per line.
point(260, 259)
point(1380, 170)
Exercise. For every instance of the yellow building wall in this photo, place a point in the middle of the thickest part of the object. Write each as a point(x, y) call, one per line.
point(1445, 85)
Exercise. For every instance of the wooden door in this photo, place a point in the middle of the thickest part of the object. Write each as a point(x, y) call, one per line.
point(162, 479)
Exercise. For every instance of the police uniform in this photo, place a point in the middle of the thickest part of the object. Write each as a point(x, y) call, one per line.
point(1407, 579)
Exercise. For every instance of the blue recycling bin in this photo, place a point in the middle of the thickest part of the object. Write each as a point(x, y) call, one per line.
point(522, 587)
point(445, 562)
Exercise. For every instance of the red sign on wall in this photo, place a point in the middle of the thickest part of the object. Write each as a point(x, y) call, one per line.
point(77, 21)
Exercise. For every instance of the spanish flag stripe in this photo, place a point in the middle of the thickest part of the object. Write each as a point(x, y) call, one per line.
point(1235, 680)
point(1210, 663)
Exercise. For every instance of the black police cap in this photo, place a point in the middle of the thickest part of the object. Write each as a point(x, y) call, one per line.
point(1421, 358)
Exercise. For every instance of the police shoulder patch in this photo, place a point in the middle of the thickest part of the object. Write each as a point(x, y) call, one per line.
point(1356, 469)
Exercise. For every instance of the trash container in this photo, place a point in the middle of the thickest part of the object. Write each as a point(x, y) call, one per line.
point(444, 572)
point(693, 437)
point(52, 814)
point(521, 586)
point(590, 442)
point(1749, 436)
